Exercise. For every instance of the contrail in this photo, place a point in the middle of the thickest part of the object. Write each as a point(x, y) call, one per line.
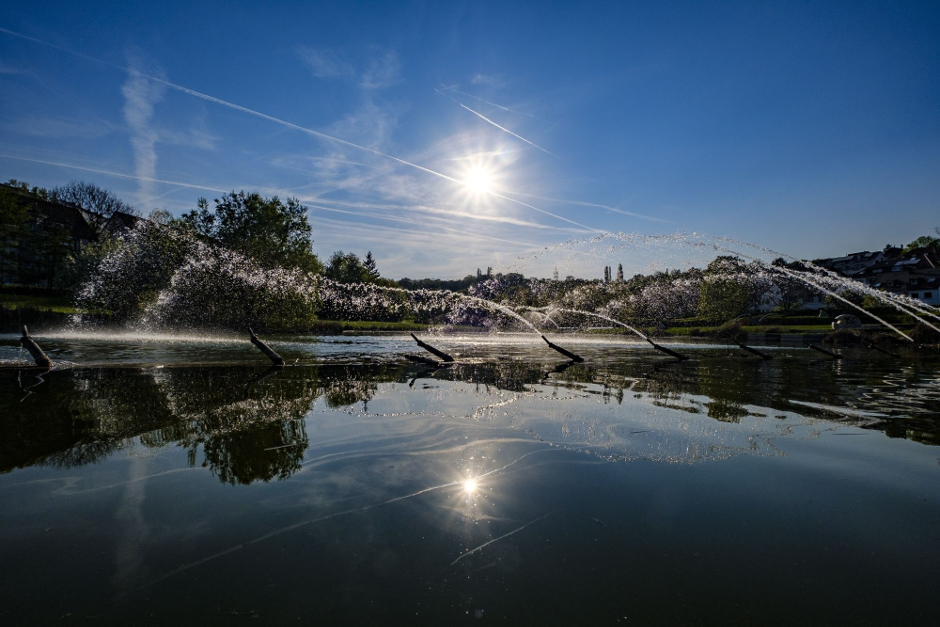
point(502, 128)
point(133, 177)
point(285, 123)
point(492, 104)
point(415, 222)
point(486, 544)
point(594, 204)
point(506, 130)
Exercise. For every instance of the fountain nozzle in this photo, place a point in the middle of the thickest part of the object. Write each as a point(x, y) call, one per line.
point(276, 359)
point(563, 351)
point(440, 354)
point(38, 356)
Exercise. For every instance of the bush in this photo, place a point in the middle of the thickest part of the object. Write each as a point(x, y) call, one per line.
point(844, 337)
point(922, 334)
point(730, 331)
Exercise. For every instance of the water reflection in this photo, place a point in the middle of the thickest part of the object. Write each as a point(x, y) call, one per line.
point(247, 424)
point(244, 424)
point(414, 489)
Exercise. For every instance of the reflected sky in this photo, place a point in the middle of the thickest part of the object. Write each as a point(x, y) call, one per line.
point(378, 492)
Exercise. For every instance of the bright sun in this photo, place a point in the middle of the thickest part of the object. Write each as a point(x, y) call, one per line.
point(479, 180)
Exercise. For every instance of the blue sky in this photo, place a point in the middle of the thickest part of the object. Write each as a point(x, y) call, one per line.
point(808, 127)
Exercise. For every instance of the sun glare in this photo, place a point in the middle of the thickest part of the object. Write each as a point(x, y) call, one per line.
point(479, 180)
point(469, 486)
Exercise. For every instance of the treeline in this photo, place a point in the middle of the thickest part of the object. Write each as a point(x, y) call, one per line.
point(247, 259)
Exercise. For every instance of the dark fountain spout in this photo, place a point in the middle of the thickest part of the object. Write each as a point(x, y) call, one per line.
point(563, 351)
point(276, 359)
point(38, 356)
point(437, 353)
point(670, 352)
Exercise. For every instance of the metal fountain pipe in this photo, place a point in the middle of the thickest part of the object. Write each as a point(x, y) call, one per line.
point(276, 359)
point(754, 351)
point(825, 351)
point(38, 356)
point(441, 354)
point(882, 350)
point(563, 351)
point(663, 349)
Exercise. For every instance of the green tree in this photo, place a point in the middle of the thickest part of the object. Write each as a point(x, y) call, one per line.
point(347, 268)
point(370, 267)
point(924, 241)
point(271, 232)
point(724, 294)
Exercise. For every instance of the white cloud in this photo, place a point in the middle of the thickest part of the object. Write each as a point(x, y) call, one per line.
point(140, 95)
point(325, 63)
point(381, 69)
point(384, 70)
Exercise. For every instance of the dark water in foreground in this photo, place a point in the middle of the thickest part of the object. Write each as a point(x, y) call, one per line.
point(141, 488)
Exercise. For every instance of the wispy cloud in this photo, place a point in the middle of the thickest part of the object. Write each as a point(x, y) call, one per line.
point(325, 63)
point(193, 137)
point(381, 69)
point(140, 95)
point(9, 69)
point(486, 79)
point(384, 70)
point(60, 127)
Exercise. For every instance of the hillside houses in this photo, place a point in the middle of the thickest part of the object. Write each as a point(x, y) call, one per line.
point(39, 233)
point(915, 274)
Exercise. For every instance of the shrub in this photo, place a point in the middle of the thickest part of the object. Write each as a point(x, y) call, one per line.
point(730, 331)
point(922, 334)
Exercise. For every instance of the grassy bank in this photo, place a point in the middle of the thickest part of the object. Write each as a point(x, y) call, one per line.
point(56, 304)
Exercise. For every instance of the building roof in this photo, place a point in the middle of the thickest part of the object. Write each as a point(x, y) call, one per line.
point(47, 212)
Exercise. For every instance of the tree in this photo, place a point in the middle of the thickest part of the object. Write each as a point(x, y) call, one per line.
point(724, 290)
point(12, 229)
point(619, 273)
point(98, 203)
point(371, 268)
point(924, 241)
point(269, 231)
point(790, 290)
point(23, 186)
point(347, 268)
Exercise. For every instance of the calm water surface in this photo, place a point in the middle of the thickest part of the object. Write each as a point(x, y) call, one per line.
point(154, 481)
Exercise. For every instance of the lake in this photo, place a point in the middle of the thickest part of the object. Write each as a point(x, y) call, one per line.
point(160, 480)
